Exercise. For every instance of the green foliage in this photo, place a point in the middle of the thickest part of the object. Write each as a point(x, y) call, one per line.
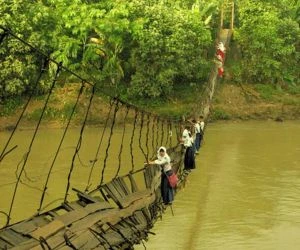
point(143, 46)
point(170, 46)
point(267, 91)
point(269, 39)
point(10, 106)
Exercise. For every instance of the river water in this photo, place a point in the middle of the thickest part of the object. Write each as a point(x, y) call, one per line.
point(244, 193)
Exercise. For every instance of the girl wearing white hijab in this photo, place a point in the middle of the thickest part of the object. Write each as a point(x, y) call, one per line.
point(189, 157)
point(164, 160)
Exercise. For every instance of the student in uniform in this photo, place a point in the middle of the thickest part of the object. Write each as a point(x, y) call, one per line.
point(221, 50)
point(219, 63)
point(189, 157)
point(201, 125)
point(163, 159)
point(198, 135)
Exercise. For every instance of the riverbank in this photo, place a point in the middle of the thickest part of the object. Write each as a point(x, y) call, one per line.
point(180, 102)
point(255, 102)
point(231, 102)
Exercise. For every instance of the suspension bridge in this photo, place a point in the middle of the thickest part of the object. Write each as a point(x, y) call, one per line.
point(112, 210)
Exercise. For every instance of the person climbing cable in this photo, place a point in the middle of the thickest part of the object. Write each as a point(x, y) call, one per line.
point(221, 50)
point(219, 63)
point(164, 160)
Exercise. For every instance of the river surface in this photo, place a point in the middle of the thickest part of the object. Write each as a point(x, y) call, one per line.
point(244, 193)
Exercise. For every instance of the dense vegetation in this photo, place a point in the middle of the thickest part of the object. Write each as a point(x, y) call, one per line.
point(268, 36)
point(139, 47)
point(145, 48)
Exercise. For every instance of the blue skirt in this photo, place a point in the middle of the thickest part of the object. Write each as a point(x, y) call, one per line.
point(167, 193)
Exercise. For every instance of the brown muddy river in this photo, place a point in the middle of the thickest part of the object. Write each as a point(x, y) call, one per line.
point(244, 194)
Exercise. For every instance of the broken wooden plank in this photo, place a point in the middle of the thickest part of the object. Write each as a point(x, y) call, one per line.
point(69, 206)
point(129, 199)
point(86, 197)
point(48, 230)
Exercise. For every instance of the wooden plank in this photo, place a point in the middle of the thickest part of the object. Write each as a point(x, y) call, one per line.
point(139, 216)
point(25, 227)
point(113, 238)
point(86, 240)
point(118, 186)
point(94, 207)
point(93, 219)
point(4, 244)
point(12, 237)
point(134, 187)
point(65, 248)
point(124, 186)
point(84, 196)
point(112, 192)
point(128, 200)
point(26, 245)
point(48, 230)
point(72, 216)
point(58, 240)
point(69, 206)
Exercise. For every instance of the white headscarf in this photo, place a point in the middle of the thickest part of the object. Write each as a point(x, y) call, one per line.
point(221, 46)
point(164, 149)
point(164, 161)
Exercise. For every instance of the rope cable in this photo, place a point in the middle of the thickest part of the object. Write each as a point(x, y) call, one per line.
point(157, 132)
point(152, 137)
point(122, 140)
point(109, 141)
point(32, 140)
point(140, 136)
point(59, 146)
point(132, 138)
point(79, 143)
point(42, 70)
point(162, 133)
point(99, 145)
point(147, 137)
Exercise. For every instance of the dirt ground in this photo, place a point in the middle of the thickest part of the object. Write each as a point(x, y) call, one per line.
point(244, 102)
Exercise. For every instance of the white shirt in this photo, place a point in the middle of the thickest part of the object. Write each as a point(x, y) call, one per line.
point(165, 162)
point(197, 128)
point(187, 139)
point(202, 125)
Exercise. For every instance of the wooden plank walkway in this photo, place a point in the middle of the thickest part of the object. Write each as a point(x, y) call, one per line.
point(121, 218)
point(118, 220)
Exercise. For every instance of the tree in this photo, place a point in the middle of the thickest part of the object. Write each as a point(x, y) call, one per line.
point(269, 40)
